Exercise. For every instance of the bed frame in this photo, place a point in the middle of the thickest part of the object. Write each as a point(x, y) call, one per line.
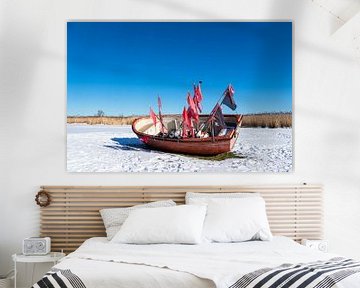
point(73, 215)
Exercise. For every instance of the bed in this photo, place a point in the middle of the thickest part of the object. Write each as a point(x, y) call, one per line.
point(294, 211)
point(99, 263)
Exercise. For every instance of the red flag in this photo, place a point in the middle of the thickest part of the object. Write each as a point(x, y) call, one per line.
point(184, 115)
point(193, 110)
point(186, 119)
point(192, 114)
point(197, 93)
point(153, 116)
point(198, 97)
point(186, 122)
point(197, 105)
point(191, 101)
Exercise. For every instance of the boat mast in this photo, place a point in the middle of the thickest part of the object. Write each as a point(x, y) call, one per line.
point(162, 128)
point(209, 120)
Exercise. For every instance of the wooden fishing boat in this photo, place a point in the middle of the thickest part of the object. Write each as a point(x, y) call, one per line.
point(215, 141)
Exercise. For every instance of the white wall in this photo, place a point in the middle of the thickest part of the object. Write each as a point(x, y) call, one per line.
point(33, 108)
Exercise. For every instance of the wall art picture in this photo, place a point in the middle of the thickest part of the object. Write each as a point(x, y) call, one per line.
point(179, 97)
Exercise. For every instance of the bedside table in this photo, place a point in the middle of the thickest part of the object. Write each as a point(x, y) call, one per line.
point(53, 257)
point(320, 245)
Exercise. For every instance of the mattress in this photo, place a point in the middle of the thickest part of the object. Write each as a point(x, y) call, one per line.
point(99, 263)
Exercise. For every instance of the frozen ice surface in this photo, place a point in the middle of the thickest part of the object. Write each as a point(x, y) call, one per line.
point(102, 148)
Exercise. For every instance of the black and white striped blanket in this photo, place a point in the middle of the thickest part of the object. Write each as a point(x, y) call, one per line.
point(59, 278)
point(320, 274)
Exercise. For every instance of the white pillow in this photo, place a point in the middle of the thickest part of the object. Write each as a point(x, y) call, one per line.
point(113, 218)
point(180, 224)
point(204, 198)
point(236, 220)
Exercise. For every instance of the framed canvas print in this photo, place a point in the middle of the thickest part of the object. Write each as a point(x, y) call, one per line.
point(179, 97)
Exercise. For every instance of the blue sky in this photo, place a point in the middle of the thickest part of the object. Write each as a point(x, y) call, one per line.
point(121, 67)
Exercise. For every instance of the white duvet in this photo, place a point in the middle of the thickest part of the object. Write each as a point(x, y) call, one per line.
point(100, 263)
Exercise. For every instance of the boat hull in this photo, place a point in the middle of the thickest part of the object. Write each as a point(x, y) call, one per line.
point(193, 146)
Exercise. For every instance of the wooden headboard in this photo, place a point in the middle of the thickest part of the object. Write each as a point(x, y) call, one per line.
point(73, 214)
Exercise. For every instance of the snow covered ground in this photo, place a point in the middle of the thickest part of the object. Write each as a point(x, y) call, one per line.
point(102, 148)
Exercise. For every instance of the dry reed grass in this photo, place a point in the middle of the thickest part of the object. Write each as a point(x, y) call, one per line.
point(105, 120)
point(270, 120)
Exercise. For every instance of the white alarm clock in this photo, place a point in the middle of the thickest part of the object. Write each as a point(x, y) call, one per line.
point(36, 246)
point(320, 245)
